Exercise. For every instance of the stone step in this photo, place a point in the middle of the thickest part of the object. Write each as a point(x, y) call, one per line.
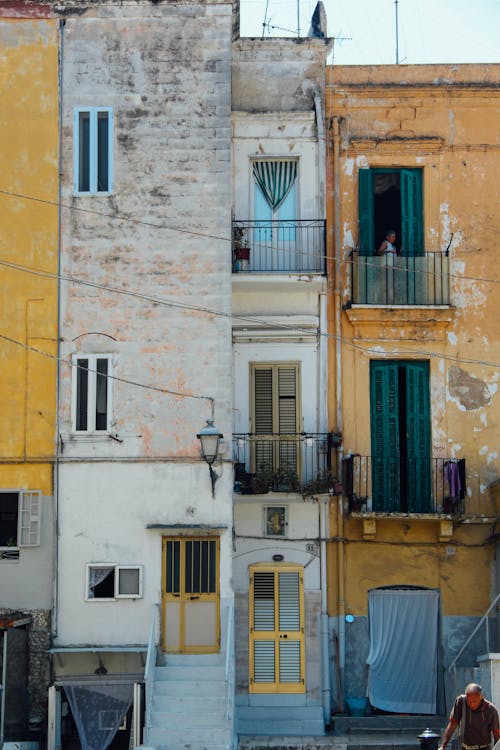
point(190, 660)
point(188, 704)
point(168, 718)
point(188, 688)
point(387, 723)
point(280, 720)
point(188, 735)
point(194, 673)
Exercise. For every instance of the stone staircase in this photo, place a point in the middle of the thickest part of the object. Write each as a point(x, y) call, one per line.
point(289, 720)
point(189, 708)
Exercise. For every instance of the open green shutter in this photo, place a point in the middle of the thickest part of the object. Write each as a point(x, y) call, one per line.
point(384, 420)
point(418, 438)
point(411, 213)
point(366, 223)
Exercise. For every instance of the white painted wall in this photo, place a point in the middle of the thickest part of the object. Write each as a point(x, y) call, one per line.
point(105, 511)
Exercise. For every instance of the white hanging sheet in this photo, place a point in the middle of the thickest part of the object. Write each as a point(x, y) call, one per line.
point(98, 711)
point(402, 676)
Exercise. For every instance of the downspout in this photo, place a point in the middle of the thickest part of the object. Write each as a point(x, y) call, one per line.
point(325, 650)
point(322, 424)
point(338, 389)
point(58, 372)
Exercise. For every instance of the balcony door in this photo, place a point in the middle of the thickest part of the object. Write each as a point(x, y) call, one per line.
point(275, 419)
point(276, 626)
point(400, 436)
point(275, 212)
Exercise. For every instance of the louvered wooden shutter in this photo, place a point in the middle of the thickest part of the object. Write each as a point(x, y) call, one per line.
point(412, 239)
point(384, 419)
point(264, 620)
point(287, 417)
point(365, 207)
point(289, 621)
point(418, 437)
point(29, 518)
point(263, 419)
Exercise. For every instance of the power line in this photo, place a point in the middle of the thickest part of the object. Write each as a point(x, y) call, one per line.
point(248, 319)
point(205, 235)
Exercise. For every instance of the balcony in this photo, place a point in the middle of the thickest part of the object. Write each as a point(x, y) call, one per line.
point(283, 463)
point(279, 246)
point(388, 280)
point(396, 485)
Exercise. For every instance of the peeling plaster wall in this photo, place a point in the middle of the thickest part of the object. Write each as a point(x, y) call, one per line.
point(163, 232)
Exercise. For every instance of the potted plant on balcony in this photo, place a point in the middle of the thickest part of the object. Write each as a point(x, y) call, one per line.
point(241, 249)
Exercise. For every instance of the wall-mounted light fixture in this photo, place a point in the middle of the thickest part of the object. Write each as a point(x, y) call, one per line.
point(210, 437)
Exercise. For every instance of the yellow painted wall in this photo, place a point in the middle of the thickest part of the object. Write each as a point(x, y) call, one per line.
point(28, 237)
point(443, 119)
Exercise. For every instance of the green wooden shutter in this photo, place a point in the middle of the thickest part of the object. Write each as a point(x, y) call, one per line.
point(412, 230)
point(419, 463)
point(287, 417)
point(263, 417)
point(384, 420)
point(366, 221)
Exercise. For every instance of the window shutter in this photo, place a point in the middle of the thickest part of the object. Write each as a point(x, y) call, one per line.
point(366, 222)
point(412, 237)
point(384, 413)
point(263, 417)
point(287, 417)
point(418, 437)
point(29, 518)
point(264, 667)
point(289, 620)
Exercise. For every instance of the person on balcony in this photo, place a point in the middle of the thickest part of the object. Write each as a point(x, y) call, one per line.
point(388, 247)
point(477, 719)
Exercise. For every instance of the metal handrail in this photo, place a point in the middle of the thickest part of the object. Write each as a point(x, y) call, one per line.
point(149, 670)
point(483, 618)
point(229, 660)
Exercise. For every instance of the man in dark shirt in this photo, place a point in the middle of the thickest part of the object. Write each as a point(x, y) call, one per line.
point(478, 720)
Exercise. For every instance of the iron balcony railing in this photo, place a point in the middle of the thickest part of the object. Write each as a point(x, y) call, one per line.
point(283, 463)
point(392, 280)
point(291, 246)
point(394, 484)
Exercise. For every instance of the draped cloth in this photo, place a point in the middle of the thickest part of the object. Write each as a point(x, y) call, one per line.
point(98, 711)
point(275, 179)
point(402, 676)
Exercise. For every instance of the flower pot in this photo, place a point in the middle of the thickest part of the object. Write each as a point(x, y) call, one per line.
point(242, 258)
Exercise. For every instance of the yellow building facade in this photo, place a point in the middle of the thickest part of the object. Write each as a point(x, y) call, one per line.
point(28, 350)
point(414, 367)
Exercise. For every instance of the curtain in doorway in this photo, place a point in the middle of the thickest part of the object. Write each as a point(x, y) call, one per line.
point(275, 179)
point(402, 676)
point(98, 711)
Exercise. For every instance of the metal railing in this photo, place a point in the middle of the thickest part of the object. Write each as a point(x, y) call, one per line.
point(149, 670)
point(288, 246)
point(282, 463)
point(392, 280)
point(384, 484)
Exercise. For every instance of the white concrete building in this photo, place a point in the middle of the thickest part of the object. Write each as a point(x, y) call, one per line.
point(281, 442)
point(144, 545)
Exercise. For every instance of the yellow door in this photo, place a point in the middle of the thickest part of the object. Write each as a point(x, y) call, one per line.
point(190, 600)
point(277, 663)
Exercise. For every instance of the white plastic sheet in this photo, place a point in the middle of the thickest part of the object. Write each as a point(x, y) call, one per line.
point(98, 711)
point(402, 660)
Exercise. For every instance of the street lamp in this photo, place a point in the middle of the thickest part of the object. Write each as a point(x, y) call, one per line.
point(210, 437)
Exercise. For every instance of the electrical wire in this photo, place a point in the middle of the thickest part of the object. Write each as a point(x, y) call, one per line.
point(206, 235)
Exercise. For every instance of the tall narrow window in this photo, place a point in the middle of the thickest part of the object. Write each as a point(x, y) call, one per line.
point(20, 517)
point(93, 150)
point(92, 393)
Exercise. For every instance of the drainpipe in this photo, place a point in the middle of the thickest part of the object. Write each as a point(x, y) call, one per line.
point(325, 650)
point(4, 679)
point(338, 388)
point(58, 375)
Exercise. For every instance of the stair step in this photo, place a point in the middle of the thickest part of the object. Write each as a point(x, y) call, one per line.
point(208, 721)
point(193, 706)
point(279, 712)
point(189, 689)
point(191, 660)
point(187, 735)
point(194, 673)
point(285, 727)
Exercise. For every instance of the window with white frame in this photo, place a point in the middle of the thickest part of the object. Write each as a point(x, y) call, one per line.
point(112, 581)
point(93, 149)
point(91, 393)
point(20, 518)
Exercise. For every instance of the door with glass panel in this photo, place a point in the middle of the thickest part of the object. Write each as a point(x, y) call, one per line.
point(190, 598)
point(276, 626)
point(274, 241)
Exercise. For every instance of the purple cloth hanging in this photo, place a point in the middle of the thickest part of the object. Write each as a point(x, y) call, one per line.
point(453, 478)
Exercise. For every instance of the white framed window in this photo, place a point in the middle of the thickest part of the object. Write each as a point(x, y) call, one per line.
point(20, 520)
point(275, 520)
point(93, 150)
point(92, 395)
point(109, 581)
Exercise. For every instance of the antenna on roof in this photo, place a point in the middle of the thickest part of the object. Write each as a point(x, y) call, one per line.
point(397, 33)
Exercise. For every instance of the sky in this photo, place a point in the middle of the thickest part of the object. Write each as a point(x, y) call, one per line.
point(429, 31)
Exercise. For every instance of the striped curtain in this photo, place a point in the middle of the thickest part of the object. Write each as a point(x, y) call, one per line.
point(275, 179)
